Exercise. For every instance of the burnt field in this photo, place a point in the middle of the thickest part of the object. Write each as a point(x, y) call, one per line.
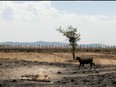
point(54, 69)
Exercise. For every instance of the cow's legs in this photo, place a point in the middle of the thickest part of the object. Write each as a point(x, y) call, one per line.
point(79, 66)
point(90, 66)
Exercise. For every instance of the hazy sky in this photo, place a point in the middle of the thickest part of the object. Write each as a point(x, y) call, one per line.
point(27, 21)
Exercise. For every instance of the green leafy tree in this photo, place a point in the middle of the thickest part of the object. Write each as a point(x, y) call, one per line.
point(72, 35)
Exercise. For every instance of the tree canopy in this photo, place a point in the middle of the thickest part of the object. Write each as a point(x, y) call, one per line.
point(72, 35)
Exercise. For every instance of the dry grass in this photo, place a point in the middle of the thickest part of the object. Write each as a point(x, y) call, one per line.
point(40, 57)
point(99, 58)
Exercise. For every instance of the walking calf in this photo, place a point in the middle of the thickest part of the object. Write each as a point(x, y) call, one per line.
point(83, 61)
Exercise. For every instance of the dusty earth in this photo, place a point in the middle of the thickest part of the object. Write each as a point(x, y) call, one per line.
point(21, 69)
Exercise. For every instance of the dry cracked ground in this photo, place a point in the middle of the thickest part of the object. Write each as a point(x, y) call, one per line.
point(21, 69)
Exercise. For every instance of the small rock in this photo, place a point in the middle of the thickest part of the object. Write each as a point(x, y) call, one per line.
point(58, 81)
point(85, 80)
point(6, 66)
point(63, 82)
point(99, 82)
point(35, 61)
point(114, 82)
point(72, 80)
point(74, 72)
point(83, 71)
point(14, 80)
point(59, 72)
point(51, 64)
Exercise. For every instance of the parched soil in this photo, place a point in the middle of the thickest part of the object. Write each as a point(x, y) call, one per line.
point(21, 69)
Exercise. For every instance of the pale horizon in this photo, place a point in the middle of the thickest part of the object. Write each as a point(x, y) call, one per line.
point(32, 21)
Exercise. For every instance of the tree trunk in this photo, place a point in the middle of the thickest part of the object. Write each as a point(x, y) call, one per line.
point(73, 51)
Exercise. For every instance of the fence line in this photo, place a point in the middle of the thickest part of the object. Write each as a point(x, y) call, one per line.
point(56, 48)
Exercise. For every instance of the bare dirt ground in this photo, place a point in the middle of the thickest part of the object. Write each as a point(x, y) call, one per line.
point(21, 69)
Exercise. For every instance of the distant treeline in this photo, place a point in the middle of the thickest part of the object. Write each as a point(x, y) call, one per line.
point(58, 48)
